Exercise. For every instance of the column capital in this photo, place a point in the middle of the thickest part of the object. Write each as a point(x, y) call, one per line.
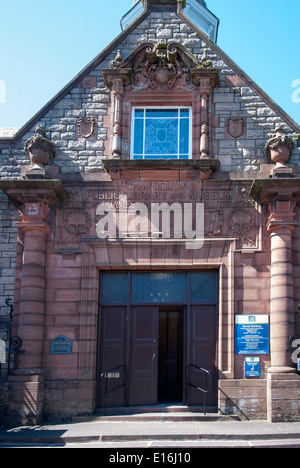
point(282, 216)
point(34, 216)
point(266, 191)
point(31, 191)
point(34, 198)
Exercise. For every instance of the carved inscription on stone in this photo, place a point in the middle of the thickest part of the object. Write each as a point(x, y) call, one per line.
point(228, 211)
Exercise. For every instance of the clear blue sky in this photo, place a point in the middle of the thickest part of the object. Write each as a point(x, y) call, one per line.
point(46, 43)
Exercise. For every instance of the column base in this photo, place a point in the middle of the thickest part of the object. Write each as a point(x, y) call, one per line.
point(283, 396)
point(282, 370)
point(26, 397)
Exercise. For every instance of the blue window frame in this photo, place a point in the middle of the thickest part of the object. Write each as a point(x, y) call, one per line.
point(161, 133)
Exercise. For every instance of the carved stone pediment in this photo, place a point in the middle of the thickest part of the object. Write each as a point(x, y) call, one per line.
point(160, 67)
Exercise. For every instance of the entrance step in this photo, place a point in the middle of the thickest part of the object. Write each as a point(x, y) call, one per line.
point(157, 413)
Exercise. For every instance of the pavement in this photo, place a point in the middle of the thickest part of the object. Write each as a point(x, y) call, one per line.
point(163, 432)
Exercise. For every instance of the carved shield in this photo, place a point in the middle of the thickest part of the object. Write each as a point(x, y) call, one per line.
point(235, 127)
point(86, 128)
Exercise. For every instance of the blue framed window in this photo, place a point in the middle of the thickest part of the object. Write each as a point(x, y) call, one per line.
point(196, 287)
point(161, 133)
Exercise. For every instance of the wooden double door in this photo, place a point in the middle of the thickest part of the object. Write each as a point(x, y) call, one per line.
point(148, 349)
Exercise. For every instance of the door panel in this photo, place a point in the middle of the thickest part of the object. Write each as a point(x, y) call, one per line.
point(143, 356)
point(202, 353)
point(112, 354)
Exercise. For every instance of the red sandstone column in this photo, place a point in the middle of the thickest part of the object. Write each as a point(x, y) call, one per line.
point(280, 225)
point(34, 224)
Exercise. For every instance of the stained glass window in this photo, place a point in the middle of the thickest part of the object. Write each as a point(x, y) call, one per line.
point(161, 133)
point(158, 288)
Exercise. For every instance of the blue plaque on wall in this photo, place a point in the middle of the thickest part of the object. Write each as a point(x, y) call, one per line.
point(252, 367)
point(252, 334)
point(61, 345)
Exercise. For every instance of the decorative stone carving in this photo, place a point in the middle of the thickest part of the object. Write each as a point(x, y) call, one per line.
point(77, 222)
point(235, 127)
point(161, 70)
point(86, 128)
point(118, 59)
point(40, 150)
point(278, 149)
point(242, 224)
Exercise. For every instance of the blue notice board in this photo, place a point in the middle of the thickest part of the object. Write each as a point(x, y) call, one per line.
point(252, 334)
point(252, 367)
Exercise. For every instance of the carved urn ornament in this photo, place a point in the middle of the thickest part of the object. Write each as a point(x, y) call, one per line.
point(40, 150)
point(279, 148)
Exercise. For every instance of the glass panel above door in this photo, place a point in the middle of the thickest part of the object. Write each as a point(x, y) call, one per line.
point(114, 288)
point(204, 287)
point(158, 288)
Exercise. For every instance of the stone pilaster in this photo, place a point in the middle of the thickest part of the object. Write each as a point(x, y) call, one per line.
point(283, 384)
point(35, 199)
point(34, 224)
point(205, 88)
point(116, 79)
point(281, 223)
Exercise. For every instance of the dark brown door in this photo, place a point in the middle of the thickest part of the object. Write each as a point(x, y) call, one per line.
point(143, 355)
point(170, 355)
point(112, 354)
point(202, 354)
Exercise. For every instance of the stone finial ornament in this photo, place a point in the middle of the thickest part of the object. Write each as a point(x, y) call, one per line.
point(40, 150)
point(278, 149)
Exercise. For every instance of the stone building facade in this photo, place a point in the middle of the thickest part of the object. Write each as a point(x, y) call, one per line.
point(156, 195)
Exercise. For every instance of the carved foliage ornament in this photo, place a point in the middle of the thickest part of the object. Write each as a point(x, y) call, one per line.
point(40, 149)
point(279, 147)
point(160, 67)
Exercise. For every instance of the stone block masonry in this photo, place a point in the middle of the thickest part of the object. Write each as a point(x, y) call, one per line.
point(53, 257)
point(90, 99)
point(8, 247)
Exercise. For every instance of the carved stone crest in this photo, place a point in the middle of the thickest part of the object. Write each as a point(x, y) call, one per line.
point(235, 127)
point(86, 128)
point(161, 70)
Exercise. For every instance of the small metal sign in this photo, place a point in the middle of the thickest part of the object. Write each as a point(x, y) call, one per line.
point(252, 367)
point(252, 334)
point(61, 345)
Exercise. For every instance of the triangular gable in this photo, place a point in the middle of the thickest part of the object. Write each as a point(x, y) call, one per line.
point(121, 38)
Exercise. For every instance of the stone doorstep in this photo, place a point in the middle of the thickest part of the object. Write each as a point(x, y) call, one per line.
point(157, 417)
point(218, 435)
